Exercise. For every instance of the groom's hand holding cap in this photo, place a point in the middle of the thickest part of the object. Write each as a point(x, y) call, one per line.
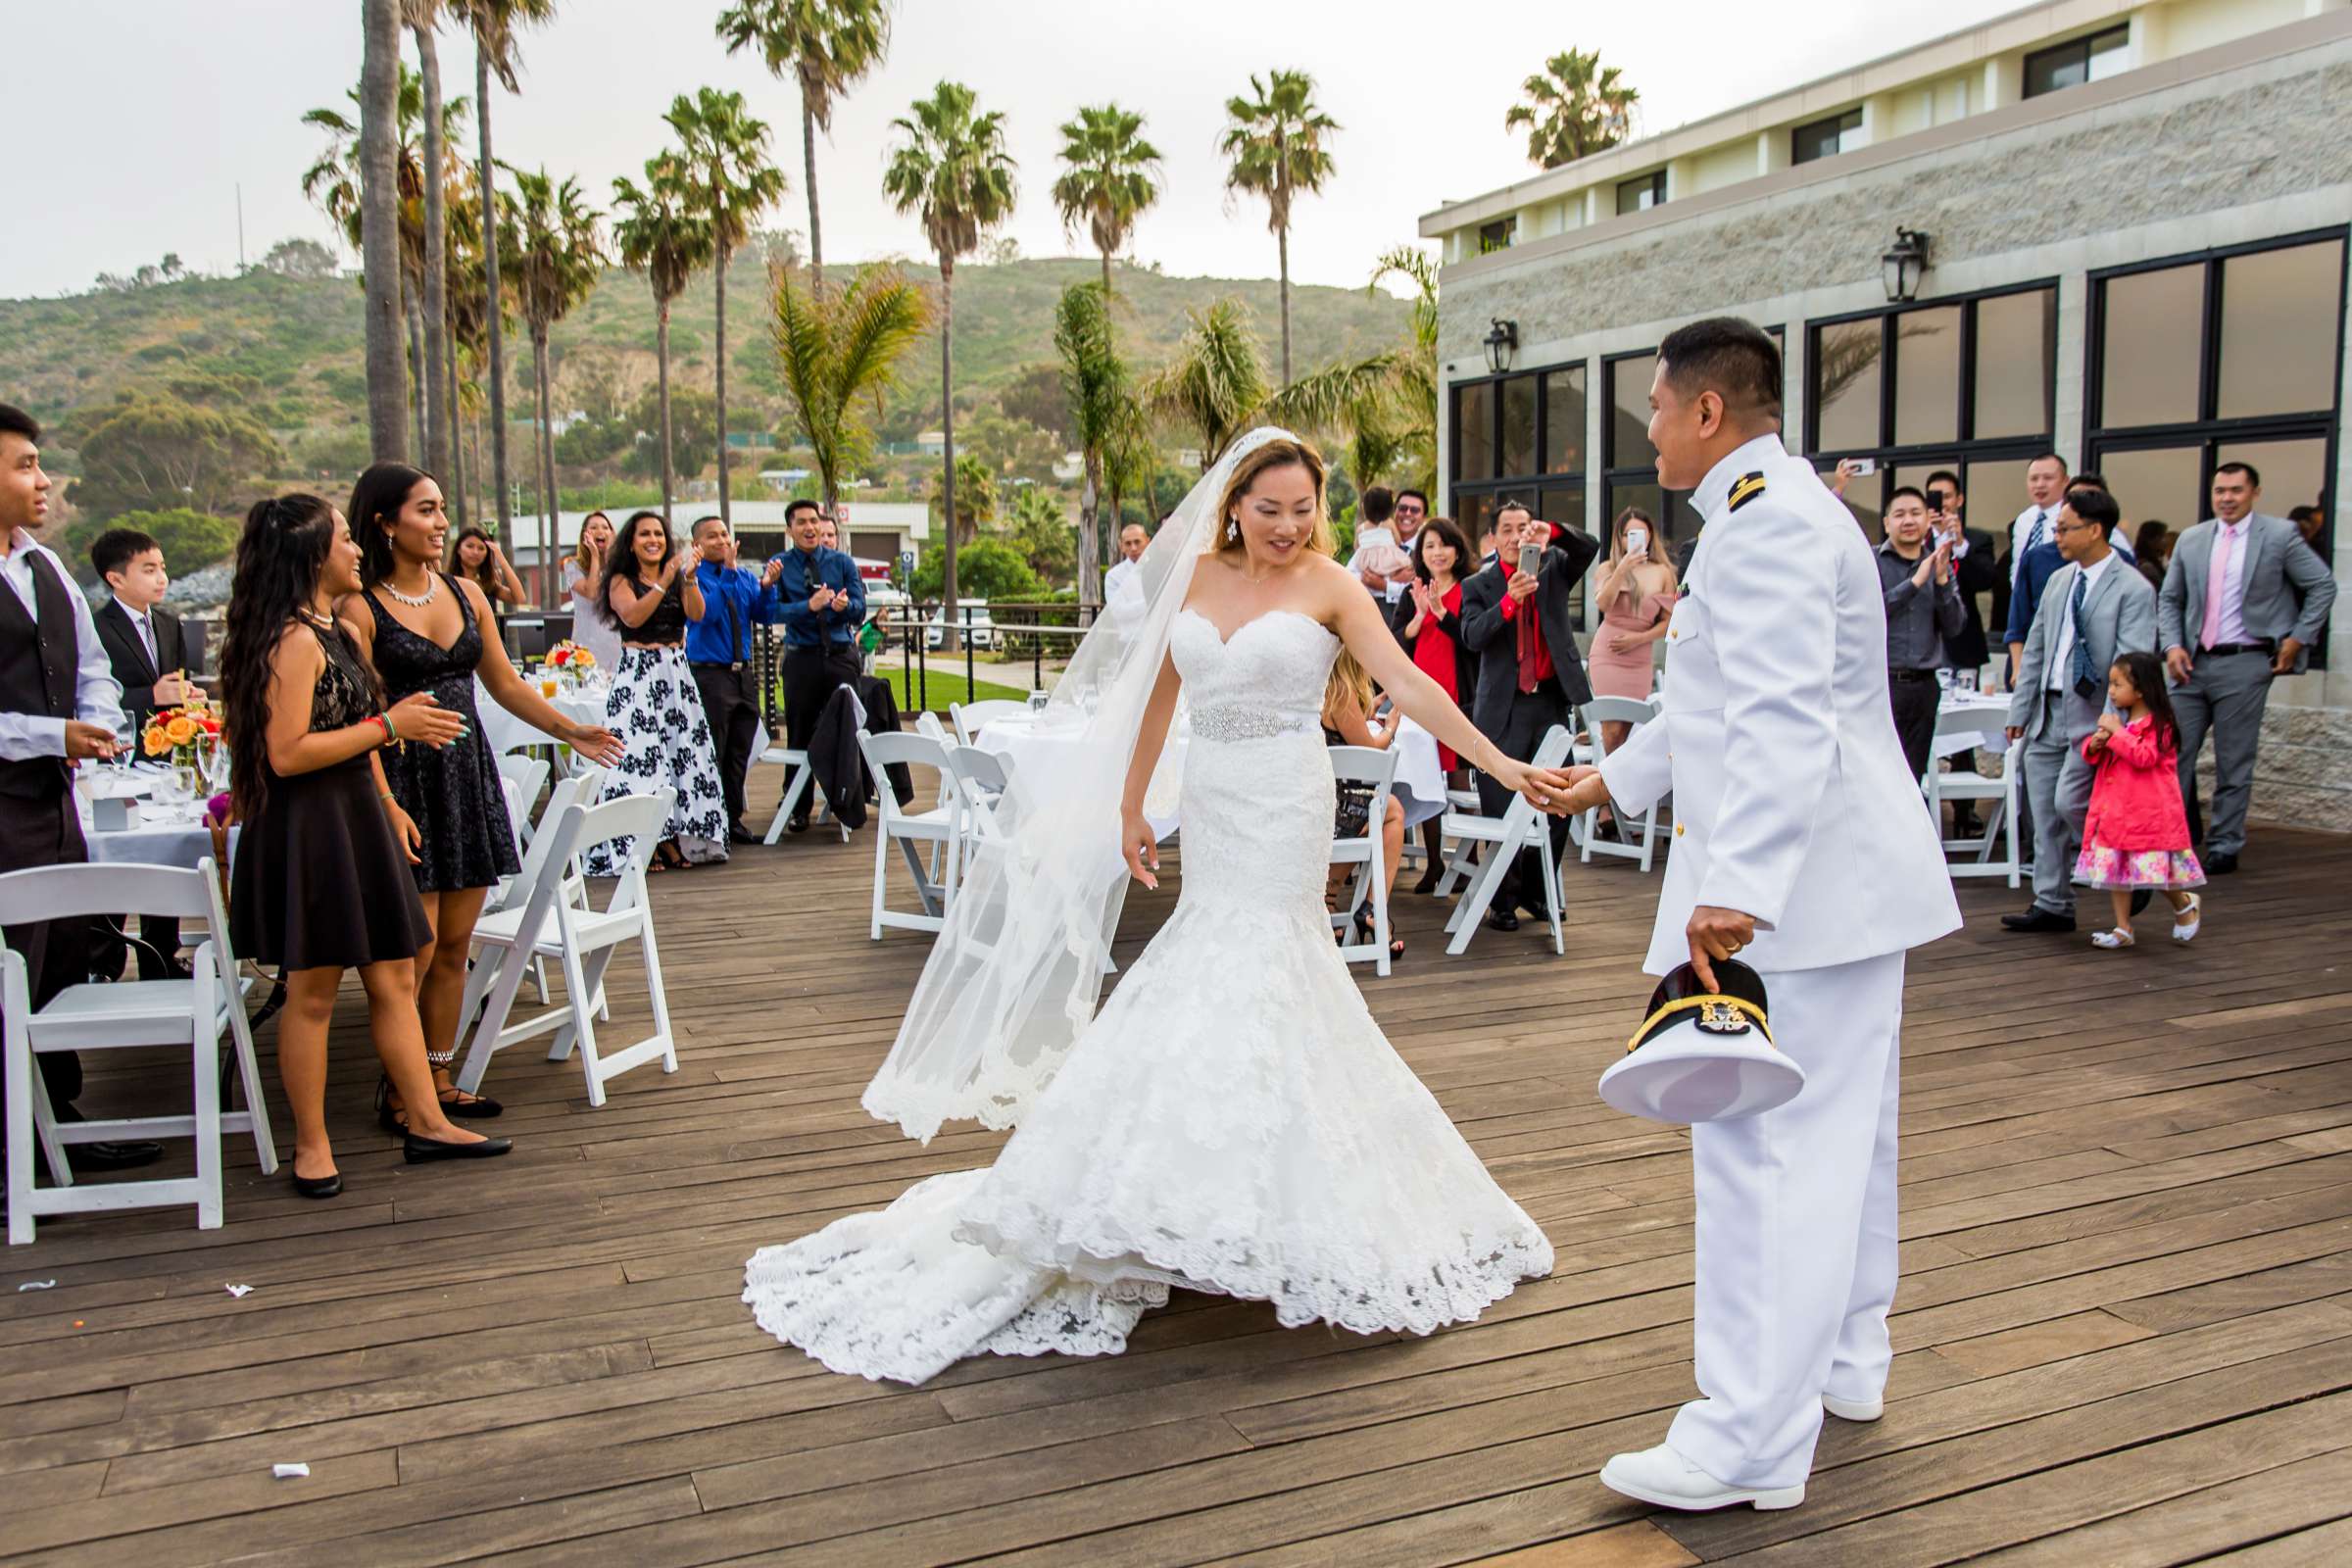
point(1716, 933)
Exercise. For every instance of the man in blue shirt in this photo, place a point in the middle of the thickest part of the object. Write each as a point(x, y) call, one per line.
point(822, 602)
point(718, 650)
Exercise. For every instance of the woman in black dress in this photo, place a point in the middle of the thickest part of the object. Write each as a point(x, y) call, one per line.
point(321, 883)
point(424, 631)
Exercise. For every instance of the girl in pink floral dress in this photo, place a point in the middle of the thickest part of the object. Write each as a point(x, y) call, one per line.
point(2137, 835)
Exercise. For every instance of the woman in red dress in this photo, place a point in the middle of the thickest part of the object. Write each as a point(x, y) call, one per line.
point(1426, 618)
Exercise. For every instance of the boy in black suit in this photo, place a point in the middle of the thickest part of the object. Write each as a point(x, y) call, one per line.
point(142, 640)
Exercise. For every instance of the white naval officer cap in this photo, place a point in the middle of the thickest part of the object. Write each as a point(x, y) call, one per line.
point(1703, 1055)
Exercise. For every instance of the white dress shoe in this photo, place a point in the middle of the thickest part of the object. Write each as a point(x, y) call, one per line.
point(1665, 1479)
point(1853, 1409)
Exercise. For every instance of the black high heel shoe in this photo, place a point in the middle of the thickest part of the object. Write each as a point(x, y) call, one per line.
point(422, 1151)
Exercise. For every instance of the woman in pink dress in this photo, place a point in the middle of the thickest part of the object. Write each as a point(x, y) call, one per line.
point(1636, 594)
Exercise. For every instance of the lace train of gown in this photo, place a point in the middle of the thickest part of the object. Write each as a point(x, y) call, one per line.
point(1231, 1121)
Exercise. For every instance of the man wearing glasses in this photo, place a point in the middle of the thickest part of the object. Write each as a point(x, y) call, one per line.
point(2092, 609)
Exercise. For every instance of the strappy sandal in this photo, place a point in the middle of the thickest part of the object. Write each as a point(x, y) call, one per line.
point(2186, 922)
point(1366, 931)
point(390, 1117)
point(2111, 941)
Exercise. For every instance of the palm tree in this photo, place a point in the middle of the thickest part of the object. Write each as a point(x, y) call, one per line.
point(423, 18)
point(380, 226)
point(826, 45)
point(558, 260)
point(1106, 180)
point(1575, 108)
point(336, 182)
point(950, 168)
point(495, 24)
point(667, 235)
point(838, 353)
point(727, 151)
point(1217, 380)
point(1100, 399)
point(1275, 148)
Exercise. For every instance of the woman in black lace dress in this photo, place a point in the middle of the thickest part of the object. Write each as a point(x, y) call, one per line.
point(322, 883)
point(427, 630)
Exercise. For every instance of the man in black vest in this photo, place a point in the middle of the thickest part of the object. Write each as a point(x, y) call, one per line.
point(58, 704)
point(1529, 671)
point(150, 662)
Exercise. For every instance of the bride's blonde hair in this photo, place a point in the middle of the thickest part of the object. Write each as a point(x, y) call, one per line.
point(1281, 453)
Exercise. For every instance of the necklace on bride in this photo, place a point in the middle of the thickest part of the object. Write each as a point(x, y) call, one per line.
point(432, 586)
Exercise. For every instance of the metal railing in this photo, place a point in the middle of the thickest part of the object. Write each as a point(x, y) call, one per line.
point(1045, 633)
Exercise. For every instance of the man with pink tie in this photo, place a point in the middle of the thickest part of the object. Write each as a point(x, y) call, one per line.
point(2243, 600)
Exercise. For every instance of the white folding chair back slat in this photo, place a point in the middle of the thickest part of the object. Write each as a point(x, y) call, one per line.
point(971, 718)
point(941, 827)
point(525, 776)
point(190, 1012)
point(800, 778)
point(1587, 829)
point(1520, 827)
point(1996, 847)
point(1375, 766)
point(543, 922)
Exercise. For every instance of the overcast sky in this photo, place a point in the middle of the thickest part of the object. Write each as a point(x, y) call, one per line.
point(134, 122)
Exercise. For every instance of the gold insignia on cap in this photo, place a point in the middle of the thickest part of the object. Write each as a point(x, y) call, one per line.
point(1747, 488)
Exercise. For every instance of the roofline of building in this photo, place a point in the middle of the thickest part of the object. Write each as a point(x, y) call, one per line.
point(2049, 20)
point(2290, 38)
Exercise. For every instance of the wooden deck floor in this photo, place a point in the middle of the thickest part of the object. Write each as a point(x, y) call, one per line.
point(2125, 1333)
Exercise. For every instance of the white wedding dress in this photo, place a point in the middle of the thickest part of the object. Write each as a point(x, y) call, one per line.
point(1231, 1121)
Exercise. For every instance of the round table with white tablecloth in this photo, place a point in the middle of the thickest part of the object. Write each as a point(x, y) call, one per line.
point(583, 705)
point(1420, 782)
point(166, 833)
point(1993, 708)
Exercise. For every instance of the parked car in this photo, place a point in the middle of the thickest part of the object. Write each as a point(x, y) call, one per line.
point(971, 617)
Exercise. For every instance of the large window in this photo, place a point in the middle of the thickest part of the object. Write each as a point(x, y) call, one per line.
point(2071, 64)
point(2229, 356)
point(1826, 138)
point(1640, 195)
point(1964, 384)
point(1498, 235)
point(1521, 437)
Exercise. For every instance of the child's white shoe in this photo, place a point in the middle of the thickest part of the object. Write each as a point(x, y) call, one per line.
point(2111, 940)
point(2186, 921)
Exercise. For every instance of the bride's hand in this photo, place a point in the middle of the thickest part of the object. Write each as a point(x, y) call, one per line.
point(1141, 846)
point(1546, 789)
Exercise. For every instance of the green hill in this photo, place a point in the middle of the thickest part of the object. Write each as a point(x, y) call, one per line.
point(300, 342)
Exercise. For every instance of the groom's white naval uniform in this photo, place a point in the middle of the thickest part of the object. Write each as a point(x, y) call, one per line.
point(1792, 805)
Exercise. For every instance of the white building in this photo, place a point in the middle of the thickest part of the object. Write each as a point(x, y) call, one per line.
point(878, 530)
point(2134, 219)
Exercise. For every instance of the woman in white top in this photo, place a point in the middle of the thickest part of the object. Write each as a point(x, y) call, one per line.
point(590, 627)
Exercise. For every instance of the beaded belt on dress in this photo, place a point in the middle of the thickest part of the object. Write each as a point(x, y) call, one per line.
point(1248, 723)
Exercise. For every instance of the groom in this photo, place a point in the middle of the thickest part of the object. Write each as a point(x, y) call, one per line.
point(1801, 844)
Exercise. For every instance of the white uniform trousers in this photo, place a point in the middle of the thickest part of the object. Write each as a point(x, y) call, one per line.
point(1797, 1235)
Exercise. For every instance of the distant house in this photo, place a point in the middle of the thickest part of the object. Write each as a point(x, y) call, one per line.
point(931, 444)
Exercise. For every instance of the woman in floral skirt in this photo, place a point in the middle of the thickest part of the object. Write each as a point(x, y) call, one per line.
point(655, 706)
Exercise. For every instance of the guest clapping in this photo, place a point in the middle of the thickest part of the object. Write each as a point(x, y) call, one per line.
point(1515, 617)
point(425, 630)
point(654, 704)
point(321, 882)
point(821, 600)
point(584, 574)
point(1924, 614)
point(718, 650)
point(1428, 621)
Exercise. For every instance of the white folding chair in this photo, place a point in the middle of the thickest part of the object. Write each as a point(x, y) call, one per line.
point(133, 1013)
point(971, 718)
point(582, 788)
point(927, 724)
point(1618, 839)
point(1520, 827)
point(1996, 846)
point(1377, 768)
point(981, 779)
point(941, 827)
point(800, 778)
point(583, 942)
point(525, 775)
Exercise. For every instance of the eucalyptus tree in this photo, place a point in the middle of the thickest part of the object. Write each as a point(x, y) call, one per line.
point(727, 151)
point(951, 170)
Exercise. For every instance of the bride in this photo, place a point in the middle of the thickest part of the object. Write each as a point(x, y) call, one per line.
point(1233, 1122)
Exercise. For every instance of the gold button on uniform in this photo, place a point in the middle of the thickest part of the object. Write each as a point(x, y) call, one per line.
point(1678, 830)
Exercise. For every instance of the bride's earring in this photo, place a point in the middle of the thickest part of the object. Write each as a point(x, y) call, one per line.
point(1233, 530)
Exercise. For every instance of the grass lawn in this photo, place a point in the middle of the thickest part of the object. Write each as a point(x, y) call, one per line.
point(941, 687)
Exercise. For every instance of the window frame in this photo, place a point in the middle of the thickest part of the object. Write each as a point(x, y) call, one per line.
point(1655, 179)
point(1797, 146)
point(2208, 432)
point(1489, 244)
point(1517, 484)
point(1615, 476)
point(1964, 441)
point(2083, 42)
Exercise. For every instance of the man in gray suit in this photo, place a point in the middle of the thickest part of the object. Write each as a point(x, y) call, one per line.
point(2093, 608)
point(2243, 598)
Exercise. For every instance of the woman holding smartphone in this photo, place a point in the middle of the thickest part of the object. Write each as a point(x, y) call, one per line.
point(1635, 595)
